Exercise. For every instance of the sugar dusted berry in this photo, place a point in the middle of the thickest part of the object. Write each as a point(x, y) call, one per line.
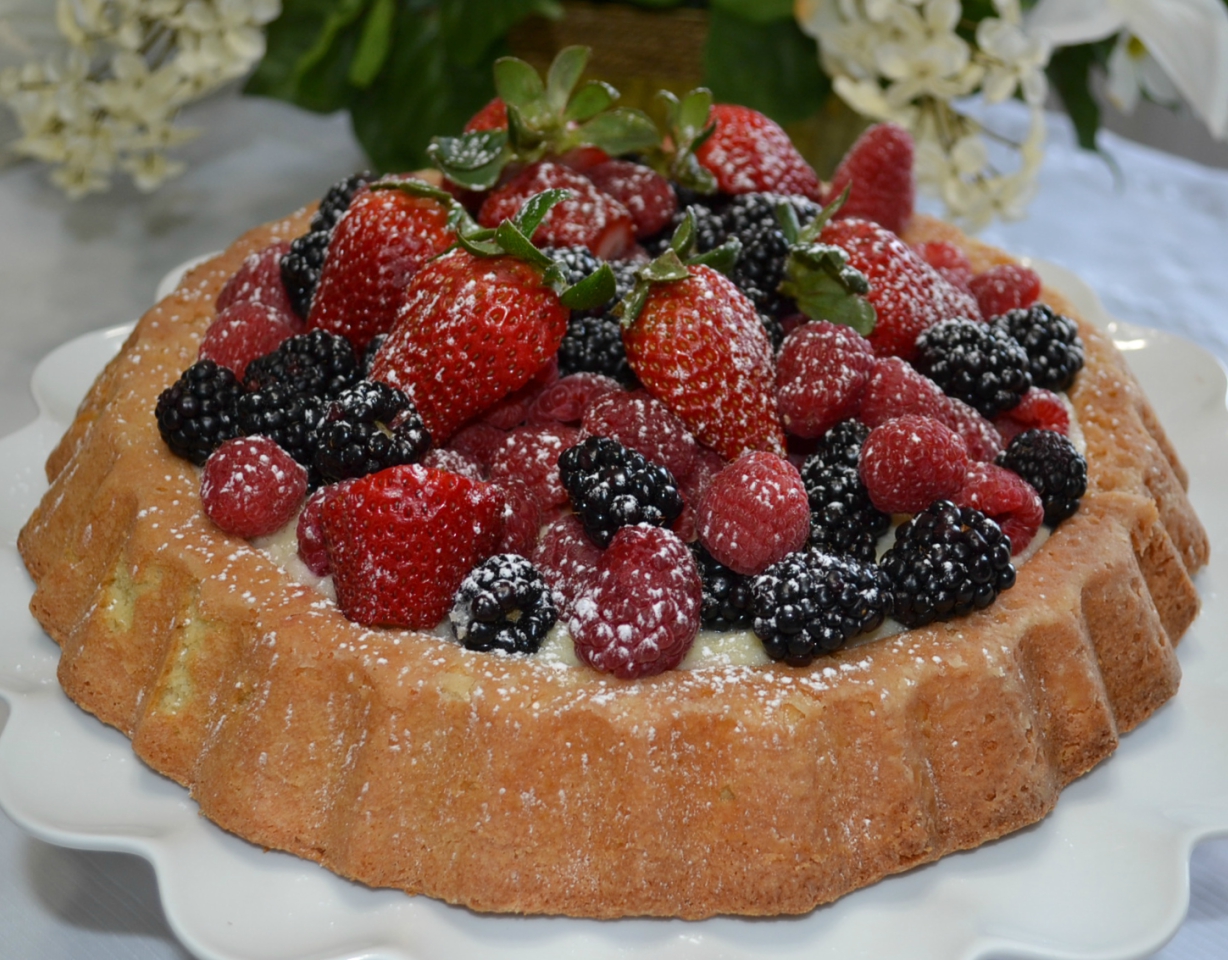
point(909, 462)
point(567, 558)
point(300, 269)
point(522, 517)
point(531, 455)
point(1039, 409)
point(645, 193)
point(639, 613)
point(318, 363)
point(1052, 465)
point(594, 344)
point(565, 400)
point(1051, 341)
point(197, 413)
point(367, 428)
point(950, 261)
point(879, 167)
point(754, 513)
point(1005, 287)
point(251, 487)
point(1007, 499)
point(285, 416)
point(821, 372)
point(258, 280)
point(503, 604)
point(749, 152)
point(727, 603)
point(975, 362)
point(644, 424)
point(241, 333)
point(312, 549)
point(842, 518)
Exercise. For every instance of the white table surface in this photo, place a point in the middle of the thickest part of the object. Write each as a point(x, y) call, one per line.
point(1154, 245)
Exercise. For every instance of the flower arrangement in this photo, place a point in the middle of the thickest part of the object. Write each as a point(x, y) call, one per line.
point(407, 70)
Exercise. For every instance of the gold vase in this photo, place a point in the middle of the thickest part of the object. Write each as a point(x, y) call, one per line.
point(641, 51)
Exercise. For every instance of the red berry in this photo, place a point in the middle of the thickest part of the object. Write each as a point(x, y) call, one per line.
point(1039, 409)
point(242, 332)
point(565, 400)
point(589, 218)
point(749, 152)
point(531, 455)
point(312, 549)
point(479, 442)
point(908, 294)
point(1005, 287)
point(381, 241)
point(879, 166)
point(981, 437)
point(566, 558)
point(400, 541)
point(446, 458)
point(909, 462)
point(513, 409)
point(493, 116)
point(643, 191)
point(821, 371)
point(583, 159)
point(948, 260)
point(522, 519)
point(251, 487)
point(258, 280)
point(645, 425)
point(754, 513)
point(1007, 499)
point(707, 465)
point(640, 611)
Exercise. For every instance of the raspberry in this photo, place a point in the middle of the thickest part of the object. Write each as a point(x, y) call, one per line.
point(1051, 464)
point(198, 412)
point(909, 462)
point(707, 465)
point(948, 260)
point(241, 333)
point(479, 442)
point(813, 603)
point(531, 455)
point(258, 280)
point(640, 611)
point(754, 513)
point(946, 562)
point(1007, 499)
point(454, 462)
point(503, 604)
point(565, 400)
point(1005, 287)
point(522, 518)
point(821, 372)
point(643, 424)
point(975, 362)
point(1052, 343)
point(983, 440)
point(312, 549)
point(611, 487)
point(1038, 410)
point(513, 409)
point(250, 486)
point(567, 559)
point(644, 192)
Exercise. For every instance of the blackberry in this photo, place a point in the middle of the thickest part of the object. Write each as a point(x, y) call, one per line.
point(775, 332)
point(612, 487)
point(751, 217)
point(289, 418)
point(1051, 341)
point(369, 427)
point(577, 262)
point(503, 604)
point(624, 276)
point(727, 596)
point(709, 229)
point(368, 355)
point(1050, 463)
point(301, 266)
point(595, 344)
point(946, 562)
point(812, 603)
point(196, 414)
point(842, 443)
point(842, 519)
point(318, 363)
point(337, 200)
point(975, 362)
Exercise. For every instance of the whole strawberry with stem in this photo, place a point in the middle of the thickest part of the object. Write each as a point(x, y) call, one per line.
point(878, 168)
point(696, 343)
point(481, 321)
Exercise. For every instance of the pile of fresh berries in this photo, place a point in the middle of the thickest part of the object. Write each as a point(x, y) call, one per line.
point(489, 405)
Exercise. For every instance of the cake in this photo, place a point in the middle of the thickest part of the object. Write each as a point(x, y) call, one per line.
point(510, 784)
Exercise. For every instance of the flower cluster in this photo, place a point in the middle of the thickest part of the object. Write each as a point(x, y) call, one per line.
point(108, 103)
point(913, 62)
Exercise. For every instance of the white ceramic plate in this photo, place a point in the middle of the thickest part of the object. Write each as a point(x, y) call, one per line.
point(1105, 877)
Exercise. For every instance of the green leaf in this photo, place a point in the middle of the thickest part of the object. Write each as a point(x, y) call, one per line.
point(683, 239)
point(768, 65)
point(472, 28)
point(517, 244)
point(590, 100)
point(665, 268)
point(373, 43)
point(818, 277)
point(756, 11)
point(1069, 71)
point(693, 111)
point(529, 217)
point(723, 258)
point(618, 131)
point(593, 291)
point(473, 160)
point(563, 75)
point(518, 83)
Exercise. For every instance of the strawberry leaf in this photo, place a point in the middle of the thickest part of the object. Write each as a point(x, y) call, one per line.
point(563, 75)
point(621, 130)
point(517, 244)
point(518, 84)
point(819, 278)
point(530, 216)
point(590, 100)
point(458, 217)
point(723, 258)
point(593, 291)
point(472, 160)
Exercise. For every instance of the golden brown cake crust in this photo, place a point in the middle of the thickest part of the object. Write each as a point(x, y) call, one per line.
point(509, 785)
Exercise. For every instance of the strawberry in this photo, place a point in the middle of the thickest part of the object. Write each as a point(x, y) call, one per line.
point(643, 191)
point(493, 116)
point(589, 219)
point(470, 331)
point(749, 153)
point(879, 167)
point(908, 295)
point(383, 239)
point(698, 346)
point(401, 541)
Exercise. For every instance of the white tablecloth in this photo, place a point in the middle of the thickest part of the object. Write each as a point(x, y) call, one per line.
point(1153, 244)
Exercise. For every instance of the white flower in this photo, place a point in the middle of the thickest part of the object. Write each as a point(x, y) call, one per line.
point(1134, 71)
point(1187, 38)
point(1014, 60)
